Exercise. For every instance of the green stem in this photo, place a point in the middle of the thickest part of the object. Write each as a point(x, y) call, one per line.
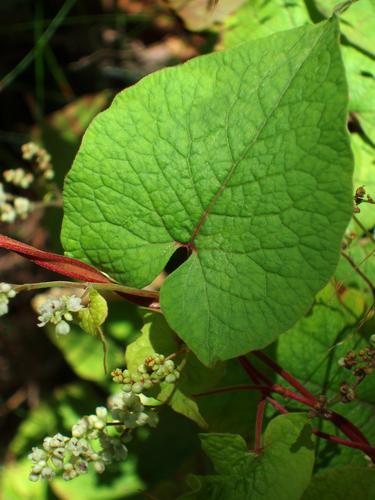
point(111, 287)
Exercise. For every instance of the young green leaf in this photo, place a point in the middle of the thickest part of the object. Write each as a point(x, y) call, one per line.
point(93, 316)
point(282, 470)
point(242, 157)
point(157, 337)
point(85, 354)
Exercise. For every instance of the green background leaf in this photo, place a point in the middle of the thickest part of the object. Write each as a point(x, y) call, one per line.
point(360, 71)
point(157, 337)
point(357, 22)
point(343, 483)
point(282, 470)
point(364, 175)
point(258, 18)
point(311, 351)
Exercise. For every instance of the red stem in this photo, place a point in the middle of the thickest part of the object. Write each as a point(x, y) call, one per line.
point(256, 376)
point(357, 439)
point(253, 372)
point(277, 405)
point(66, 266)
point(259, 426)
point(288, 393)
point(347, 427)
point(58, 263)
point(230, 388)
point(284, 374)
point(352, 444)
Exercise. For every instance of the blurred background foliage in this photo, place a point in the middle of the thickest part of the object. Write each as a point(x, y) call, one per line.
point(61, 64)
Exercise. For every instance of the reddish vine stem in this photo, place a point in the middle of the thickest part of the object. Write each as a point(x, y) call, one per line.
point(259, 425)
point(253, 372)
point(284, 374)
point(231, 388)
point(279, 407)
point(351, 444)
point(288, 393)
point(357, 439)
point(256, 376)
point(347, 427)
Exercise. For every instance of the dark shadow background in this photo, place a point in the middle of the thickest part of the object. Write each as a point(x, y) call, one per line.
point(49, 92)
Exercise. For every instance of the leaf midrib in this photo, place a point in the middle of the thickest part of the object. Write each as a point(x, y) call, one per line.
point(233, 169)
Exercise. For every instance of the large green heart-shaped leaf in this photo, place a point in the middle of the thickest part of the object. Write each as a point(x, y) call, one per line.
point(242, 157)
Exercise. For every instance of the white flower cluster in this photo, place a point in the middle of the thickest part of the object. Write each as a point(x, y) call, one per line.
point(154, 370)
point(60, 453)
point(59, 312)
point(127, 408)
point(6, 293)
point(91, 441)
point(13, 207)
point(19, 177)
point(40, 157)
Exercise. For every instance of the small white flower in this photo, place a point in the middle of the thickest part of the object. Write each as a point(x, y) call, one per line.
point(8, 214)
point(6, 293)
point(73, 303)
point(99, 467)
point(59, 312)
point(4, 309)
point(2, 194)
point(22, 207)
point(62, 328)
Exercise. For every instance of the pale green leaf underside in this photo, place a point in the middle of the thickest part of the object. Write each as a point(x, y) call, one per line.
point(360, 71)
point(357, 22)
point(282, 470)
point(241, 155)
point(258, 18)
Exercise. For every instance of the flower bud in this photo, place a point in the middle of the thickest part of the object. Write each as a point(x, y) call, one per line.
point(99, 467)
point(62, 328)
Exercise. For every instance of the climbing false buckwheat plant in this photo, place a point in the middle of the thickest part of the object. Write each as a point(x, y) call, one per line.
point(217, 197)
